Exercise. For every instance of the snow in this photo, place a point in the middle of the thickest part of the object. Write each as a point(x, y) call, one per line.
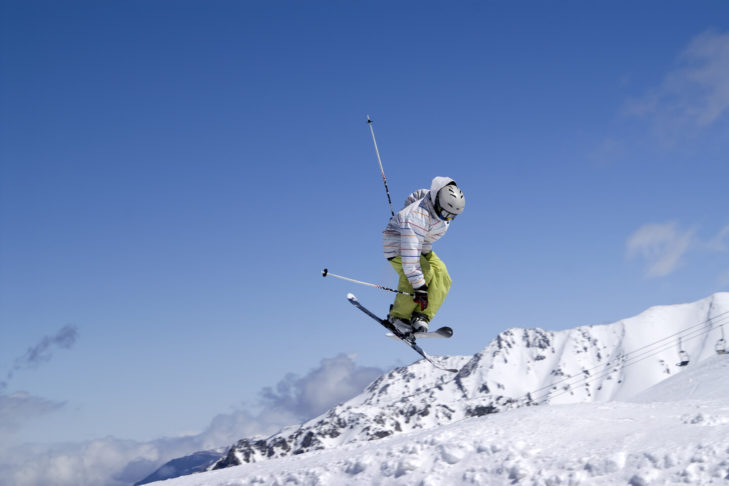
point(591, 443)
point(634, 417)
point(705, 382)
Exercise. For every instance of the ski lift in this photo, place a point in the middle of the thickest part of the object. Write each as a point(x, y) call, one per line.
point(720, 346)
point(682, 355)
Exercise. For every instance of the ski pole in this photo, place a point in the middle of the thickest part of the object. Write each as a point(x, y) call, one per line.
point(326, 272)
point(384, 179)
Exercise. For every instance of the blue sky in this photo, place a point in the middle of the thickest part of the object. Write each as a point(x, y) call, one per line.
point(174, 176)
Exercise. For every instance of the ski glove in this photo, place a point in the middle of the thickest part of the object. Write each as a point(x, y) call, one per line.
point(421, 296)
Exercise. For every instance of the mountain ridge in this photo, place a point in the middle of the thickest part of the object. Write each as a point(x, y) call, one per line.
point(519, 367)
point(675, 441)
point(584, 364)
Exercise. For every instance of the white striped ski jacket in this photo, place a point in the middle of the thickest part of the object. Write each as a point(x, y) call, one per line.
point(412, 231)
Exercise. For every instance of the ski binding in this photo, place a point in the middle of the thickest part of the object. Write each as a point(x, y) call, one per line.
point(442, 332)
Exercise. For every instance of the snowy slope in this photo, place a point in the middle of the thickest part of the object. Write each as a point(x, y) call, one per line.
point(615, 361)
point(599, 443)
point(521, 367)
point(707, 381)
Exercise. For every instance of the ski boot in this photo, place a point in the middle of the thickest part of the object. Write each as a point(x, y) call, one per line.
point(419, 322)
point(402, 326)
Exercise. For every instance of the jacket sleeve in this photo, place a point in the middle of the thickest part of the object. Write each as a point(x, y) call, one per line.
point(416, 196)
point(426, 248)
point(412, 236)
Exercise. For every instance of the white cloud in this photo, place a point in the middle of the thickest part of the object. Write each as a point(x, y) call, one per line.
point(99, 462)
point(335, 380)
point(694, 95)
point(662, 246)
point(115, 462)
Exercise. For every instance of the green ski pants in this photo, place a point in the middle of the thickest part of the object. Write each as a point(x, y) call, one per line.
point(437, 279)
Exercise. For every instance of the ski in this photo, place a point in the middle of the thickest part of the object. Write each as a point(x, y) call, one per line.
point(409, 340)
point(443, 332)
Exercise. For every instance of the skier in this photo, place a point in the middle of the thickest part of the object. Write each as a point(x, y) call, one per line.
point(408, 245)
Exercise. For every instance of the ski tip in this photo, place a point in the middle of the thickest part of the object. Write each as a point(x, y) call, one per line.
point(351, 297)
point(445, 331)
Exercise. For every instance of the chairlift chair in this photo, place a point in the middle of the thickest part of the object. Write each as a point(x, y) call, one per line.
point(682, 355)
point(720, 346)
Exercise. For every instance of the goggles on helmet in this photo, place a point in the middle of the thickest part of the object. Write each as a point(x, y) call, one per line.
point(444, 213)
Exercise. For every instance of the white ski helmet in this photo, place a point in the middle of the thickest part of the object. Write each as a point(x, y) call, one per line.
point(450, 202)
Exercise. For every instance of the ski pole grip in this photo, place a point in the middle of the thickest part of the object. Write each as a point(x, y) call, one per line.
point(324, 272)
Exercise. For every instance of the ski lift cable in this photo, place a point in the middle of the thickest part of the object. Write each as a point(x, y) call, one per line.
point(581, 379)
point(688, 336)
point(626, 361)
point(723, 317)
point(586, 377)
point(645, 351)
point(587, 380)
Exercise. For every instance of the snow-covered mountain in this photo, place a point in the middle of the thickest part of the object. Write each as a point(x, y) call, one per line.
point(182, 466)
point(683, 441)
point(600, 362)
point(520, 367)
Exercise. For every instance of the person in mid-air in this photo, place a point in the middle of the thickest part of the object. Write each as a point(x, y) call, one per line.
point(408, 244)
